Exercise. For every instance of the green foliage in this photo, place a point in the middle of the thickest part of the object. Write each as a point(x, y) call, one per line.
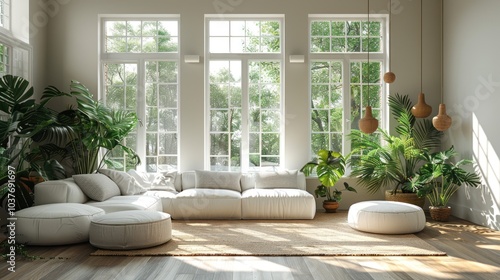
point(22, 125)
point(393, 161)
point(439, 178)
point(330, 167)
point(95, 128)
point(19, 249)
point(36, 138)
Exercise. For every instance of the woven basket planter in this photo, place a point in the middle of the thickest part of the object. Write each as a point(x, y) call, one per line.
point(411, 198)
point(440, 213)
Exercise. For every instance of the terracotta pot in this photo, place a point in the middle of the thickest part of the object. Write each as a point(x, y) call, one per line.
point(440, 213)
point(330, 206)
point(411, 198)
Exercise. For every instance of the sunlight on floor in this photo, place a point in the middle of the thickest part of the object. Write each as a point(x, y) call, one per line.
point(242, 264)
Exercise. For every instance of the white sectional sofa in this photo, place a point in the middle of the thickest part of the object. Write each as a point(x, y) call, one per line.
point(189, 195)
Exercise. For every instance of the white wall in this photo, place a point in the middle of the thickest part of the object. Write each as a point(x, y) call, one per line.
point(37, 25)
point(472, 94)
point(71, 53)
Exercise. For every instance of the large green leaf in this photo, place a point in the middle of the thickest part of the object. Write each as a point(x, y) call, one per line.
point(14, 92)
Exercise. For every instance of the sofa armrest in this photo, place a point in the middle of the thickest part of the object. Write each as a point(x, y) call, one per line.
point(59, 191)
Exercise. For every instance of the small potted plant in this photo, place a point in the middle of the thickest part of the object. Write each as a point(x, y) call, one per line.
point(439, 178)
point(329, 167)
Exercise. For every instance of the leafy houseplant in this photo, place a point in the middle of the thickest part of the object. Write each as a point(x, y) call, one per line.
point(439, 178)
point(330, 167)
point(22, 120)
point(392, 160)
point(35, 139)
point(96, 128)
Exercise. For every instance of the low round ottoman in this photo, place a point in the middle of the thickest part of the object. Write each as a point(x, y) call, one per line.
point(386, 217)
point(133, 229)
point(55, 224)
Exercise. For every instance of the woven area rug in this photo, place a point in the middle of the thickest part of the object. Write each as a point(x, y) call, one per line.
point(326, 235)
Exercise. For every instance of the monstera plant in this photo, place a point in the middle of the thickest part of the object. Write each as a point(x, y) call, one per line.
point(35, 139)
point(329, 167)
point(441, 177)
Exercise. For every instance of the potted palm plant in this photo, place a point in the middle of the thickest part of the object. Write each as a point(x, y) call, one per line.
point(439, 178)
point(329, 167)
point(388, 162)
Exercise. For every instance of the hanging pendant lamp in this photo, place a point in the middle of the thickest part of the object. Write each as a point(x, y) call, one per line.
point(442, 121)
point(368, 124)
point(421, 109)
point(390, 77)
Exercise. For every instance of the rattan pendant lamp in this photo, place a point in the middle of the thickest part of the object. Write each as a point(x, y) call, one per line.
point(368, 124)
point(421, 109)
point(390, 77)
point(442, 121)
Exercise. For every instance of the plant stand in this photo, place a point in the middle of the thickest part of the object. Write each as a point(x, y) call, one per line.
point(440, 213)
point(330, 206)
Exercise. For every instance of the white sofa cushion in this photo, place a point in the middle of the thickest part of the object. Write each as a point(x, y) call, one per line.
point(188, 180)
point(275, 180)
point(217, 180)
point(166, 199)
point(59, 191)
point(207, 204)
point(127, 184)
point(277, 204)
point(129, 202)
point(97, 186)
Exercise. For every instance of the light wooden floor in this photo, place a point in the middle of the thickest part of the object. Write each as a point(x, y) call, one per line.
point(473, 253)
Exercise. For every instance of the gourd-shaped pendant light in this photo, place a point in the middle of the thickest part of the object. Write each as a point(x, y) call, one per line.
point(368, 124)
point(390, 77)
point(442, 121)
point(421, 109)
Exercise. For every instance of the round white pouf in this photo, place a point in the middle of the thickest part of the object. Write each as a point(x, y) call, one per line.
point(386, 217)
point(133, 229)
point(55, 224)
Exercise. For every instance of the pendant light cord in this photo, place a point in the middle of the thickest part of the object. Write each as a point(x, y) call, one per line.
point(390, 35)
point(421, 46)
point(442, 52)
point(368, 9)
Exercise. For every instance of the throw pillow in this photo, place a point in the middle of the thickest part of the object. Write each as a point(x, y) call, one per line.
point(164, 182)
point(217, 180)
point(127, 184)
point(141, 177)
point(97, 186)
point(276, 180)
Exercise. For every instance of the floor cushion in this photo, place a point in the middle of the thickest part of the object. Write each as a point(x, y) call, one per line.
point(133, 229)
point(386, 217)
point(55, 224)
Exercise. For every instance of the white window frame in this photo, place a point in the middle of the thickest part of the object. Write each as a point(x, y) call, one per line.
point(20, 56)
point(8, 14)
point(245, 58)
point(139, 59)
point(346, 58)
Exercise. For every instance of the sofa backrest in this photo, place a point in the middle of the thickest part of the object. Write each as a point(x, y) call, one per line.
point(247, 180)
point(270, 180)
point(59, 191)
